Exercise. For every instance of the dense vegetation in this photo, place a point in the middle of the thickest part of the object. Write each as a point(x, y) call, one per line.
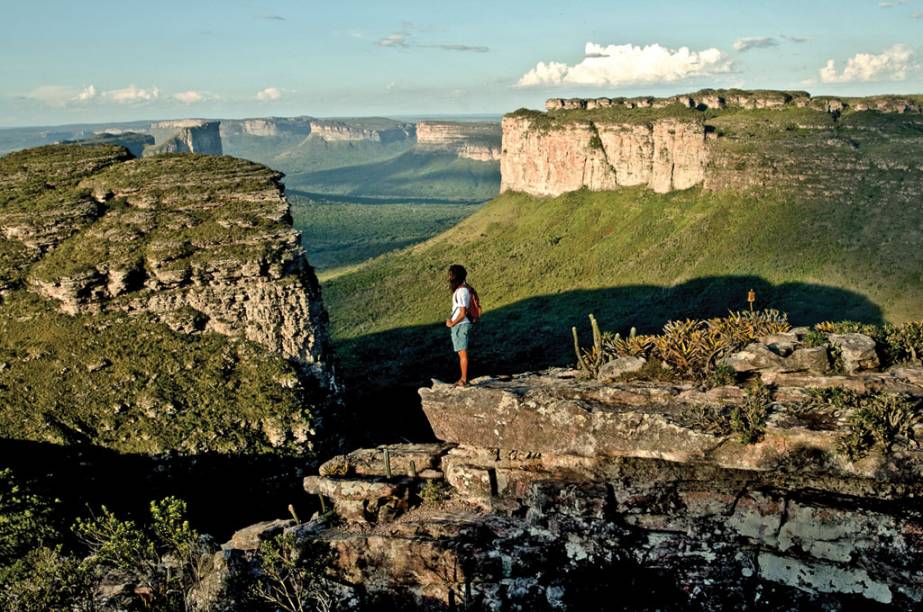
point(337, 234)
point(156, 561)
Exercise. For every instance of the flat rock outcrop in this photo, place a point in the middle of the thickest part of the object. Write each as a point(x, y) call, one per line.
point(552, 491)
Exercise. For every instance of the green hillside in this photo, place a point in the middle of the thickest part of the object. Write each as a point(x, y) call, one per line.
point(634, 258)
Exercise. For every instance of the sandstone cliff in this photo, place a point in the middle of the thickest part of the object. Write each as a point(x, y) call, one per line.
point(383, 131)
point(478, 141)
point(664, 155)
point(194, 136)
point(189, 259)
point(266, 127)
point(719, 138)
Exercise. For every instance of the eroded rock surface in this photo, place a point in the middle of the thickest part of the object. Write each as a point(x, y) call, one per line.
point(559, 492)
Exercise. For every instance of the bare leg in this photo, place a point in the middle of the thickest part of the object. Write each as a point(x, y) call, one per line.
point(463, 363)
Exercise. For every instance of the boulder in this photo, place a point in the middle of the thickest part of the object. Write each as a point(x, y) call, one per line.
point(754, 357)
point(249, 538)
point(808, 359)
point(362, 501)
point(857, 350)
point(612, 370)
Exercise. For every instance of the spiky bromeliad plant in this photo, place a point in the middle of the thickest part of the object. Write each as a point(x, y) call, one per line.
point(691, 347)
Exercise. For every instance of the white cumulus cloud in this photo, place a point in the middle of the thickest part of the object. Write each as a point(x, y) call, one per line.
point(629, 64)
point(754, 42)
point(892, 64)
point(86, 94)
point(268, 94)
point(189, 97)
point(132, 94)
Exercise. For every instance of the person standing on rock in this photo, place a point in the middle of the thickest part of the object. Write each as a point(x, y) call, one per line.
point(465, 311)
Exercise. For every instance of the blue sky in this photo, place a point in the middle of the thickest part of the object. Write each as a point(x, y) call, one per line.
point(101, 60)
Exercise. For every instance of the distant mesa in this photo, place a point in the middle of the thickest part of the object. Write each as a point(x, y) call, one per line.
point(374, 130)
point(266, 127)
point(193, 136)
point(479, 141)
point(715, 138)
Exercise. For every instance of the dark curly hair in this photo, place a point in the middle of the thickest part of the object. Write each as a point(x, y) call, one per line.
point(457, 276)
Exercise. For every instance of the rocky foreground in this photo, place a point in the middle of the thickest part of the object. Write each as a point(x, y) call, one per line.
point(550, 490)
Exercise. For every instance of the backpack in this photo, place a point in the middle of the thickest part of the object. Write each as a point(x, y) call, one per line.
point(474, 309)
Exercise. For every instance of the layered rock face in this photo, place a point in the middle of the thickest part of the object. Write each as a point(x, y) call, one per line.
point(477, 141)
point(156, 304)
point(339, 131)
point(552, 491)
point(665, 155)
point(194, 136)
point(199, 245)
point(719, 139)
point(266, 127)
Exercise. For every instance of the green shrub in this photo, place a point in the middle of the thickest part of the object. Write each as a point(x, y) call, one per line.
point(45, 578)
point(903, 342)
point(879, 420)
point(748, 420)
point(167, 556)
point(654, 370)
point(434, 491)
point(722, 375)
point(691, 347)
point(25, 518)
point(815, 339)
point(290, 575)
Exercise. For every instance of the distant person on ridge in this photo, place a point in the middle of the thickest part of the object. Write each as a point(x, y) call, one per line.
point(466, 310)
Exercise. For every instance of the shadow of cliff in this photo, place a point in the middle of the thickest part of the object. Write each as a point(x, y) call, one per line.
point(223, 492)
point(384, 370)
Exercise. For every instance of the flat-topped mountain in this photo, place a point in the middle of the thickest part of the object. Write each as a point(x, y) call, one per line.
point(147, 304)
point(716, 138)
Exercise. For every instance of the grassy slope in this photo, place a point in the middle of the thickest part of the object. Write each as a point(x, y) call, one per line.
point(632, 257)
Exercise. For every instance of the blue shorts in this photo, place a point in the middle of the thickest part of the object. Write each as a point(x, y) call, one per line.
point(460, 335)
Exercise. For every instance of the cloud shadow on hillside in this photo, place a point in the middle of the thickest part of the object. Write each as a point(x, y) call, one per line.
point(384, 370)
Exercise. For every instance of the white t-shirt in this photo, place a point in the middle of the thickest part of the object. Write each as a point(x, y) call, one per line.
point(461, 299)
